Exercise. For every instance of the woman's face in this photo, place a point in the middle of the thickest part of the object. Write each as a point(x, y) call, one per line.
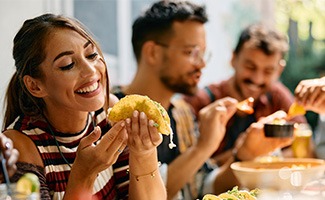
point(74, 73)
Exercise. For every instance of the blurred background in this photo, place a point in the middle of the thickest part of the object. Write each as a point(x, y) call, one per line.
point(111, 20)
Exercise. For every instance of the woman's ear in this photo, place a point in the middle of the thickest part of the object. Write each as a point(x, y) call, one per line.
point(34, 86)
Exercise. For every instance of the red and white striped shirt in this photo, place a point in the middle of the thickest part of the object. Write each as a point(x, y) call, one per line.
point(111, 183)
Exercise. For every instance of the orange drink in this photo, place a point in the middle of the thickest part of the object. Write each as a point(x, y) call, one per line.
point(301, 142)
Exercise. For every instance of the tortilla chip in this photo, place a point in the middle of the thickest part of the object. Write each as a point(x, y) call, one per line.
point(296, 110)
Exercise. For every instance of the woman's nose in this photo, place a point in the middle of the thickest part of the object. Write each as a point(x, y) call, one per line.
point(87, 69)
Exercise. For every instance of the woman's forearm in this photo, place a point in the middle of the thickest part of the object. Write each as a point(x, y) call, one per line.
point(145, 179)
point(79, 186)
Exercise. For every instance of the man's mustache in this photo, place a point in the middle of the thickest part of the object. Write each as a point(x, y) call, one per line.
point(195, 72)
point(248, 81)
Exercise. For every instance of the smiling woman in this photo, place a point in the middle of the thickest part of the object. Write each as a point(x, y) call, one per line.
point(57, 104)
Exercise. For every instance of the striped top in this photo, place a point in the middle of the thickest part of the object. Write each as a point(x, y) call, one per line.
point(111, 183)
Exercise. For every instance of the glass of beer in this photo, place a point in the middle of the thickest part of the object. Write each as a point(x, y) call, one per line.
point(301, 143)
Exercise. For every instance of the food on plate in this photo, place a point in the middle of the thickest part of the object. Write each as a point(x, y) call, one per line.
point(28, 183)
point(124, 108)
point(246, 105)
point(295, 110)
point(234, 194)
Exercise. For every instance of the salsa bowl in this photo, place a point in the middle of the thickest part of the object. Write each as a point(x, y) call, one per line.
point(278, 130)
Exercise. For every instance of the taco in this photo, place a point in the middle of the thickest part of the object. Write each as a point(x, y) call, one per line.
point(125, 107)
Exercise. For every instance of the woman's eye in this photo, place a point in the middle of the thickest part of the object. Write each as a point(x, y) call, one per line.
point(67, 67)
point(92, 56)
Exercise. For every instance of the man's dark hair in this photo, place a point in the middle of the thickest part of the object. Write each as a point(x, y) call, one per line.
point(156, 22)
point(264, 38)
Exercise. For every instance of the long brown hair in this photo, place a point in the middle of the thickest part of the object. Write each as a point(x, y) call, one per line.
point(29, 53)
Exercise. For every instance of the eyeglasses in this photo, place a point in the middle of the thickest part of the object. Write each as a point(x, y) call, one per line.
point(196, 55)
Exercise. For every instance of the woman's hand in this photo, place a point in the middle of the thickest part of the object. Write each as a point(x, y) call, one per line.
point(91, 159)
point(96, 158)
point(143, 136)
point(9, 153)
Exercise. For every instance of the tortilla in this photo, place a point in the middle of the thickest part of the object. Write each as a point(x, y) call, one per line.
point(125, 107)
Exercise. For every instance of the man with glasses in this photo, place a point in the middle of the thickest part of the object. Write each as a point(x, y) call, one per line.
point(258, 63)
point(169, 44)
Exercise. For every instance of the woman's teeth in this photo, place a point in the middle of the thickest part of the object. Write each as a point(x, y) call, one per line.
point(90, 88)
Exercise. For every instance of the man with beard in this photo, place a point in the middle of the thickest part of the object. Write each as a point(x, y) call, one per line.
point(169, 45)
point(258, 63)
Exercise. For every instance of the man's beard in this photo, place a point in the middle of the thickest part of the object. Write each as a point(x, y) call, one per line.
point(178, 86)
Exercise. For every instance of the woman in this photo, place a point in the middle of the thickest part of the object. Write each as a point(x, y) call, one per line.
point(56, 116)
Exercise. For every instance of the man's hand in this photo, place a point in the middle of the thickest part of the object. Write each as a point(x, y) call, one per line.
point(311, 94)
point(213, 120)
point(253, 143)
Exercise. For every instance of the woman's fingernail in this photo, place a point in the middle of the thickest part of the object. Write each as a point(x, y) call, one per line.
point(135, 113)
point(151, 123)
point(128, 120)
point(142, 115)
point(122, 124)
point(7, 145)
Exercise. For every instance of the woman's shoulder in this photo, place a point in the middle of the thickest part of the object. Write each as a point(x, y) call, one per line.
point(25, 146)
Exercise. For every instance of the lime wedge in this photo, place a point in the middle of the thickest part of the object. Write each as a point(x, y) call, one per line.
point(28, 184)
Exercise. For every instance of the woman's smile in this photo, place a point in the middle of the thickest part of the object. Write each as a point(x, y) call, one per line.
point(89, 89)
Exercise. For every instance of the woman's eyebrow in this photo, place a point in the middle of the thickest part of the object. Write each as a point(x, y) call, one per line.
point(70, 52)
point(87, 44)
point(63, 54)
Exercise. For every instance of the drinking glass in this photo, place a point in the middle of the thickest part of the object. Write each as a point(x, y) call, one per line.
point(301, 143)
point(15, 194)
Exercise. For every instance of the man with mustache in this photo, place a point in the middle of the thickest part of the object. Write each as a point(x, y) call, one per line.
point(258, 61)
